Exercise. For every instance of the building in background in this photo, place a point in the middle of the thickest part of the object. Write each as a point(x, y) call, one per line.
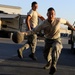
point(65, 32)
point(11, 20)
point(10, 9)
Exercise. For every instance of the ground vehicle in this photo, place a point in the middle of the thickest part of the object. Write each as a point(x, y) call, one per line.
point(10, 23)
point(72, 39)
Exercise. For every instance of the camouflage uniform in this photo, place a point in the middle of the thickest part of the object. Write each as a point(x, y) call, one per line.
point(31, 42)
point(31, 39)
point(52, 50)
point(53, 44)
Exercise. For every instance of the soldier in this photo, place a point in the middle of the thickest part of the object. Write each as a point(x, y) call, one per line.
point(31, 22)
point(53, 44)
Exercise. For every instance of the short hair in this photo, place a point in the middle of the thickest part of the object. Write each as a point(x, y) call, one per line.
point(33, 3)
point(50, 9)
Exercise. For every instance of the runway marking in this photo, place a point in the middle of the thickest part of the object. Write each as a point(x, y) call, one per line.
point(66, 68)
point(1, 60)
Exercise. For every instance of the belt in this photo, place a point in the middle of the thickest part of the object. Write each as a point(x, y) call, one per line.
point(51, 40)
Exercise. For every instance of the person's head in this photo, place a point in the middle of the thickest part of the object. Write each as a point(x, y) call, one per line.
point(51, 14)
point(34, 5)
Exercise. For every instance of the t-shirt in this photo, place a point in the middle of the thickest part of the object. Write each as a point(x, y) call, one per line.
point(34, 18)
point(51, 30)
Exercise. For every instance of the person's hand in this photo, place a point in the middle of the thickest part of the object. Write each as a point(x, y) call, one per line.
point(30, 29)
point(74, 28)
point(24, 33)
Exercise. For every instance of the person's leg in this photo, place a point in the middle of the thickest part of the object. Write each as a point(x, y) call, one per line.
point(33, 46)
point(47, 55)
point(56, 50)
point(24, 47)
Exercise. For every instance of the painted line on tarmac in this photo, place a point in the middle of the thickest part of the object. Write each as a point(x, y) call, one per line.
point(66, 68)
point(1, 60)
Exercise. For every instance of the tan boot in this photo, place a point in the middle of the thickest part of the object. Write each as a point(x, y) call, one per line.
point(52, 70)
point(20, 54)
point(32, 56)
point(48, 65)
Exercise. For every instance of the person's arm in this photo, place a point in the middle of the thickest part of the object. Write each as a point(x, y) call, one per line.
point(69, 25)
point(28, 22)
point(65, 22)
point(28, 32)
point(38, 28)
point(41, 17)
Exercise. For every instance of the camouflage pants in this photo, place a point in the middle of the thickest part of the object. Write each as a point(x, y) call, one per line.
point(52, 50)
point(31, 42)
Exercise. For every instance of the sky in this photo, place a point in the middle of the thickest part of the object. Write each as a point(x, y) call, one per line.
point(64, 8)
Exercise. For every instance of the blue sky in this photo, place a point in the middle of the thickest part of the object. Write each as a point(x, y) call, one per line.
point(64, 8)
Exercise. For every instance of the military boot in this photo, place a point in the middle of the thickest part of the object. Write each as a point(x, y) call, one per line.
point(48, 65)
point(52, 70)
point(20, 53)
point(32, 56)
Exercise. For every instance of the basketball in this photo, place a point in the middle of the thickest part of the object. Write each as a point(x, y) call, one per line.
point(17, 37)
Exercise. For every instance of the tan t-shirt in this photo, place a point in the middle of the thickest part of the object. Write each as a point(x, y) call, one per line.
point(51, 30)
point(34, 18)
